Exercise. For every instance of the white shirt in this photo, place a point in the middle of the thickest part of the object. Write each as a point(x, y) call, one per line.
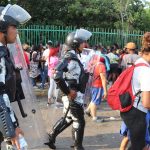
point(113, 58)
point(46, 55)
point(129, 59)
point(140, 81)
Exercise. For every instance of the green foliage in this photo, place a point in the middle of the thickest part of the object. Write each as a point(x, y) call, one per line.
point(120, 14)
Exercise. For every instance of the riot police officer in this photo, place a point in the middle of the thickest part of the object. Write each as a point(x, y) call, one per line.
point(68, 78)
point(10, 17)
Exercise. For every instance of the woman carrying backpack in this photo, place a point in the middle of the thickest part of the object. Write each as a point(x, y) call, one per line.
point(135, 118)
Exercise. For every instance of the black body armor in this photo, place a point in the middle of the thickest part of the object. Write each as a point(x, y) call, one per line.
point(10, 79)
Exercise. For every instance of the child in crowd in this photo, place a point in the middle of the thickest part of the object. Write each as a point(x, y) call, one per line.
point(98, 89)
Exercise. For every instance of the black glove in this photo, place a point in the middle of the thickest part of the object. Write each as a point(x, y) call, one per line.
point(18, 68)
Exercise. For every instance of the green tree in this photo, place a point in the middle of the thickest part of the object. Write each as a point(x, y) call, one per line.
point(120, 14)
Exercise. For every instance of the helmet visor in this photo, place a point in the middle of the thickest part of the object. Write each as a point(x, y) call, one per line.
point(17, 13)
point(83, 34)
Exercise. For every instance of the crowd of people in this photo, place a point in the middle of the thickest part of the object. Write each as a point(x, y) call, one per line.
point(41, 61)
point(103, 64)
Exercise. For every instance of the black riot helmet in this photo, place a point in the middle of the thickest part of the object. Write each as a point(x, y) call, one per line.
point(12, 15)
point(73, 42)
point(74, 39)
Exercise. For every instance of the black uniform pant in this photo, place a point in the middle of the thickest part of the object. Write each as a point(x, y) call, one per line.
point(136, 123)
point(75, 117)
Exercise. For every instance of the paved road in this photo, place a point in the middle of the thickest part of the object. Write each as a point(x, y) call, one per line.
point(98, 136)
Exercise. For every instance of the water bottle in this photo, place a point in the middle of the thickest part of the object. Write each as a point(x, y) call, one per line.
point(22, 142)
point(10, 147)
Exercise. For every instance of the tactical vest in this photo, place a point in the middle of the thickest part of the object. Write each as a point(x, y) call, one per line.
point(84, 76)
point(10, 77)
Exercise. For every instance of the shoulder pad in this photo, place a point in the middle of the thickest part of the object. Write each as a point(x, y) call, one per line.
point(70, 55)
point(3, 51)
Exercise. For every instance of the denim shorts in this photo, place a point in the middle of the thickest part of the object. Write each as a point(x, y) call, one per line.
point(97, 94)
point(124, 129)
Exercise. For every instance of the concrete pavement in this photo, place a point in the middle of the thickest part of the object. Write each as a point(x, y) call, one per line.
point(98, 136)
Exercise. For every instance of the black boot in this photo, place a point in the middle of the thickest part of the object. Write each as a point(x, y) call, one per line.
point(78, 148)
point(78, 136)
point(57, 128)
point(51, 142)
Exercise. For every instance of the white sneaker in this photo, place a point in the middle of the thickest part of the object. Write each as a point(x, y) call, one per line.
point(35, 87)
point(10, 147)
point(59, 105)
point(98, 120)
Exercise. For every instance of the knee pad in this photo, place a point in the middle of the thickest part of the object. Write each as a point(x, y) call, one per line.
point(68, 119)
point(75, 125)
point(6, 124)
point(61, 125)
point(78, 124)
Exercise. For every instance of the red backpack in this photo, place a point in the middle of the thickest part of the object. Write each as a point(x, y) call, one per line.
point(120, 95)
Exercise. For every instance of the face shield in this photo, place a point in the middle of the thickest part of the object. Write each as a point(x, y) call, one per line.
point(82, 34)
point(15, 12)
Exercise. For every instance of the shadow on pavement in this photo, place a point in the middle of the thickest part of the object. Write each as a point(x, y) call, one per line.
point(97, 142)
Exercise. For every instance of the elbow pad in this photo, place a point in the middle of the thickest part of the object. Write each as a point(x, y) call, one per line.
point(58, 77)
point(63, 86)
point(6, 125)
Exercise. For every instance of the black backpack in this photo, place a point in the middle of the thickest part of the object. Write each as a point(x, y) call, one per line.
point(83, 79)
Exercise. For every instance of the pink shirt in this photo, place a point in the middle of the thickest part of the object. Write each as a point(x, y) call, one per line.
point(52, 64)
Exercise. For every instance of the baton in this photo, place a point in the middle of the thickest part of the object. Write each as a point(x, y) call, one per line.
point(18, 69)
point(23, 114)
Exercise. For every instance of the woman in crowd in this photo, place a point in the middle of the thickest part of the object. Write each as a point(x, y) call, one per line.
point(52, 62)
point(98, 89)
point(34, 65)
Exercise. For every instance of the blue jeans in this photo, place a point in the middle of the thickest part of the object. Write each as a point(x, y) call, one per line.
point(44, 75)
point(33, 81)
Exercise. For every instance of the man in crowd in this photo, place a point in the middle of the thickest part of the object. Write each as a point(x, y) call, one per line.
point(44, 69)
point(129, 58)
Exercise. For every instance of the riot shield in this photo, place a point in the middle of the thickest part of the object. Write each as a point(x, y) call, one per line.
point(87, 59)
point(32, 123)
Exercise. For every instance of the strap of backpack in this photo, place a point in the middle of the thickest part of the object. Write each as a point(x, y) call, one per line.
point(138, 101)
point(72, 56)
point(141, 64)
point(138, 65)
point(80, 64)
point(139, 92)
